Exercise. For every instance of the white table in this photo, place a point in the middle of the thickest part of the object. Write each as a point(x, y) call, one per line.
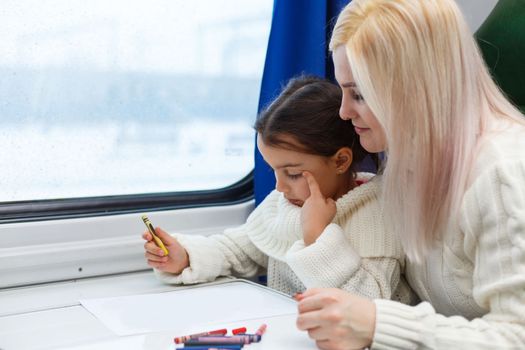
point(50, 317)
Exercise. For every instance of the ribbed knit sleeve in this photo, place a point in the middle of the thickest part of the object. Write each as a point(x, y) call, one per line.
point(207, 262)
point(230, 253)
point(333, 262)
point(493, 223)
point(327, 263)
point(355, 252)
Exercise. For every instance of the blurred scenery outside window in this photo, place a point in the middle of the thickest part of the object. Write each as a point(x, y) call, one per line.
point(124, 97)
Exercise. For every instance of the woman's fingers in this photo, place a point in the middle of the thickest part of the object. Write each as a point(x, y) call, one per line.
point(318, 333)
point(336, 319)
point(309, 320)
point(311, 291)
point(310, 304)
point(317, 298)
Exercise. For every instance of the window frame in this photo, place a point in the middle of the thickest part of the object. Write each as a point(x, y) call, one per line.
point(82, 207)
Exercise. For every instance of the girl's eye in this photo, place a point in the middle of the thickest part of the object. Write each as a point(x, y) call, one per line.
point(294, 176)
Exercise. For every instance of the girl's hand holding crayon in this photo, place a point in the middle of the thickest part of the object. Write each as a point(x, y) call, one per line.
point(317, 211)
point(175, 262)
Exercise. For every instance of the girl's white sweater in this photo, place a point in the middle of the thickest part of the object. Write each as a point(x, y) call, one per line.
point(355, 252)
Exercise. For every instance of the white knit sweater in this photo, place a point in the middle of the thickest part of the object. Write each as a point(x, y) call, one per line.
point(354, 252)
point(477, 271)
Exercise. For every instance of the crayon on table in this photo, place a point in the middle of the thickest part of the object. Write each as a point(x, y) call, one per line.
point(183, 338)
point(214, 347)
point(213, 340)
point(249, 338)
point(240, 330)
point(254, 338)
point(261, 329)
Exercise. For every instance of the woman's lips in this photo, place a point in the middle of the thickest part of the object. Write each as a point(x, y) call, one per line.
point(359, 130)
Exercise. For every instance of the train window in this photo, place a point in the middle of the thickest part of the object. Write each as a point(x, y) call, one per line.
point(121, 97)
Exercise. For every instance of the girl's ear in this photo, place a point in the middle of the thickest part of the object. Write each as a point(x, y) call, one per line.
point(343, 160)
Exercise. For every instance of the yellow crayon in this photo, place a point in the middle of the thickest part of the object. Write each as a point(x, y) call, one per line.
point(155, 238)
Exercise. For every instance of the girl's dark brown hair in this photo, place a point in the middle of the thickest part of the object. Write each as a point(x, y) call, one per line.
point(308, 111)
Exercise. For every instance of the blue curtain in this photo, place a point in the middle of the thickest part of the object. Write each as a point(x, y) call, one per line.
point(298, 44)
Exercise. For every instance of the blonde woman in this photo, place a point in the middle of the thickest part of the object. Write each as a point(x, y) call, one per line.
point(415, 86)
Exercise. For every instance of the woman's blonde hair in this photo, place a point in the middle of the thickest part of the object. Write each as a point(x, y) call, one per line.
point(419, 70)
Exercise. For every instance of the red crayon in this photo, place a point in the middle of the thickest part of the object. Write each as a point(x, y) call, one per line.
point(239, 330)
point(183, 338)
point(261, 329)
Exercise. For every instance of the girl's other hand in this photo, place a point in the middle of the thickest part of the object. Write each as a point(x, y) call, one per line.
point(317, 211)
point(336, 319)
point(175, 262)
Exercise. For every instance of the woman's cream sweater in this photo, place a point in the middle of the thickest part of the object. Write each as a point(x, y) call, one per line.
point(477, 272)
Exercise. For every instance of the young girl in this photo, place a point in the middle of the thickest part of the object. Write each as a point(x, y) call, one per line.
point(301, 238)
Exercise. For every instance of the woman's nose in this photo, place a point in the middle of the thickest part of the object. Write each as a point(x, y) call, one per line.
point(345, 111)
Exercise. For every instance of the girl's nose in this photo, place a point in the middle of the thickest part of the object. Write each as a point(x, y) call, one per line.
point(280, 185)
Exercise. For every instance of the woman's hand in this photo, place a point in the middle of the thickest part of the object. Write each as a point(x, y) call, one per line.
point(175, 262)
point(336, 319)
point(317, 211)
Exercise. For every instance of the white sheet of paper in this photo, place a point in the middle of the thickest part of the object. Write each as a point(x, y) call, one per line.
point(189, 310)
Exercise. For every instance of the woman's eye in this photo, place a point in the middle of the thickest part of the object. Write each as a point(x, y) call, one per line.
point(357, 97)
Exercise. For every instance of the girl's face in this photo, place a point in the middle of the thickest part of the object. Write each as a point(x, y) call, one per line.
point(288, 166)
point(353, 106)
